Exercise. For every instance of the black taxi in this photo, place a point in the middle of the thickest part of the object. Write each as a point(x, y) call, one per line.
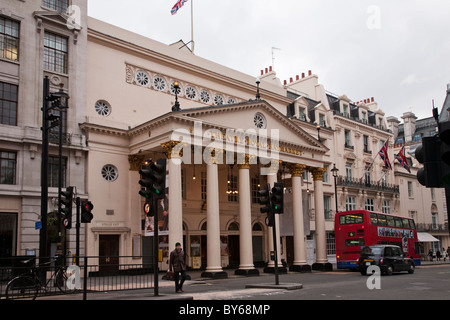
point(389, 258)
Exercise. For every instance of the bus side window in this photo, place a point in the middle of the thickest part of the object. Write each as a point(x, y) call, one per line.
point(405, 223)
point(373, 218)
point(411, 224)
point(382, 220)
point(398, 222)
point(390, 221)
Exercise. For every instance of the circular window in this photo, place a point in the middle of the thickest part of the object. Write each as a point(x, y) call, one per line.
point(260, 121)
point(103, 108)
point(231, 101)
point(205, 96)
point(159, 83)
point(142, 78)
point(218, 100)
point(191, 93)
point(110, 173)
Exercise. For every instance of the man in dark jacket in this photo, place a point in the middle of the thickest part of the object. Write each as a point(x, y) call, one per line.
point(178, 265)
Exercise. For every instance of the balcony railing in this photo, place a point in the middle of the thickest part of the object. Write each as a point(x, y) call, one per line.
point(430, 227)
point(367, 185)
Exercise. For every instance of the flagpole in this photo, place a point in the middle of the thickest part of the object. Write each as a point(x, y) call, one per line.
point(192, 26)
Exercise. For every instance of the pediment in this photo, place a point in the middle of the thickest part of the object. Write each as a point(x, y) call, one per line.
point(256, 115)
point(56, 18)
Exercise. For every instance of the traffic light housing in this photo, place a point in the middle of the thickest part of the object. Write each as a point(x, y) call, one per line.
point(86, 211)
point(264, 200)
point(429, 154)
point(444, 134)
point(277, 198)
point(66, 206)
point(153, 179)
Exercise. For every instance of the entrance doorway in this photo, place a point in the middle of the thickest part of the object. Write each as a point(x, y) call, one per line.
point(109, 255)
point(233, 251)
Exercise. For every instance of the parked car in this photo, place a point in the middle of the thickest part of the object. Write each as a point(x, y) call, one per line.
point(389, 258)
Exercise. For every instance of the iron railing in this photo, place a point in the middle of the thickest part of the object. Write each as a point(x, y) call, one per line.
point(97, 273)
point(368, 185)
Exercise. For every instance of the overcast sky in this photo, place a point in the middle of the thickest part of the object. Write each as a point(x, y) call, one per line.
point(397, 51)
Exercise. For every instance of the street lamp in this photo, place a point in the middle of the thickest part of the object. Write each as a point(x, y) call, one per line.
point(58, 101)
point(318, 133)
point(335, 175)
point(176, 106)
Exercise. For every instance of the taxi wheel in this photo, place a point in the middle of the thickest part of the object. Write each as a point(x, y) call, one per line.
point(389, 270)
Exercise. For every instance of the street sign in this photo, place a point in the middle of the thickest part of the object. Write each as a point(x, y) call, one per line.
point(38, 225)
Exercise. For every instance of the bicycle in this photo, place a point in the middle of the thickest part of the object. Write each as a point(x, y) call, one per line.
point(27, 286)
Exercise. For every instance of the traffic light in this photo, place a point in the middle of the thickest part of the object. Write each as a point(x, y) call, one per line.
point(153, 179)
point(429, 154)
point(277, 197)
point(66, 206)
point(148, 208)
point(86, 211)
point(444, 134)
point(264, 200)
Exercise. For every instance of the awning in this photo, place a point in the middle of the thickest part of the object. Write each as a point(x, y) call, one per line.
point(426, 237)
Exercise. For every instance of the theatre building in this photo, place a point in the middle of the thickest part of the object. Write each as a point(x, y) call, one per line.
point(227, 137)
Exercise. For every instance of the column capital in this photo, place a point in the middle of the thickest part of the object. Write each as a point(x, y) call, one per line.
point(135, 162)
point(174, 149)
point(318, 173)
point(247, 160)
point(296, 169)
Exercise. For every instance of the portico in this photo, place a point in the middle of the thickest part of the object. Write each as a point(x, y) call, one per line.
point(218, 157)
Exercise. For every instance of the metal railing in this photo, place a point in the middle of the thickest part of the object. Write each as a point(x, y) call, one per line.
point(368, 185)
point(97, 273)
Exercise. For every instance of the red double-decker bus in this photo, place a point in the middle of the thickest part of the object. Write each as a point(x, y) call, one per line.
point(359, 228)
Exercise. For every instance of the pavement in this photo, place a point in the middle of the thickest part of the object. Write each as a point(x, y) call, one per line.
point(201, 288)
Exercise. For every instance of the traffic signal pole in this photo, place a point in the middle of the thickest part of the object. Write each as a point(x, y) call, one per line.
point(77, 227)
point(155, 245)
point(274, 231)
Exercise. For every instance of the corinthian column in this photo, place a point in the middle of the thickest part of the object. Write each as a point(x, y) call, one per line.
point(213, 263)
point(175, 197)
point(321, 240)
point(246, 266)
point(300, 257)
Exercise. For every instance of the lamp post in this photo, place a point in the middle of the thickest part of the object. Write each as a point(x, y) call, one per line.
point(176, 106)
point(335, 175)
point(318, 132)
point(58, 100)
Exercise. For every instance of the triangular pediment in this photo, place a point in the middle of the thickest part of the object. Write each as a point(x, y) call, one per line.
point(57, 18)
point(255, 115)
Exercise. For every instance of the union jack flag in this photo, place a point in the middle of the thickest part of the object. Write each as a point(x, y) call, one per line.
point(400, 157)
point(384, 155)
point(178, 6)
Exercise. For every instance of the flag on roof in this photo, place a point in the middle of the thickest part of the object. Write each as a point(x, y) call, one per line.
point(178, 6)
point(400, 157)
point(384, 155)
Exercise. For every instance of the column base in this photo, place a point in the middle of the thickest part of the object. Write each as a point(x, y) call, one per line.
point(215, 275)
point(324, 266)
point(281, 270)
point(300, 268)
point(247, 272)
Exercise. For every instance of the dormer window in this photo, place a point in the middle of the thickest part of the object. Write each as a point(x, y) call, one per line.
point(301, 114)
point(346, 113)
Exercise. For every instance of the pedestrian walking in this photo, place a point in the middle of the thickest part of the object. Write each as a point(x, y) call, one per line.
point(178, 265)
point(444, 254)
point(438, 255)
point(430, 254)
